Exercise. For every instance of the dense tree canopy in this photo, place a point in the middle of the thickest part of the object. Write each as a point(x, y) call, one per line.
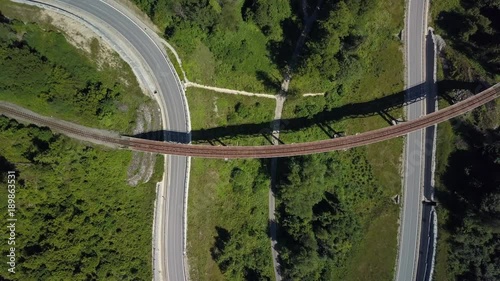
point(469, 188)
point(334, 40)
point(472, 196)
point(258, 37)
point(474, 28)
point(42, 71)
point(267, 15)
point(77, 219)
point(26, 69)
point(323, 205)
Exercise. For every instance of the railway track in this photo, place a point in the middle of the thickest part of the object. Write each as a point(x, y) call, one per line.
point(68, 129)
point(270, 151)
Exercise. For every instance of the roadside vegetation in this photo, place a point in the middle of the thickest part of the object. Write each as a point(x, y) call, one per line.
point(342, 195)
point(467, 151)
point(249, 45)
point(222, 43)
point(337, 219)
point(237, 44)
point(77, 219)
point(228, 221)
point(469, 196)
point(327, 202)
point(220, 118)
point(76, 212)
point(228, 200)
point(363, 186)
point(41, 71)
point(353, 190)
point(471, 30)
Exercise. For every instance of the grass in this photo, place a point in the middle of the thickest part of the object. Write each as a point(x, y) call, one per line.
point(47, 39)
point(90, 212)
point(380, 75)
point(227, 62)
point(442, 5)
point(379, 230)
point(214, 203)
point(374, 257)
point(378, 50)
point(210, 109)
point(444, 147)
point(175, 63)
point(443, 249)
point(202, 219)
point(445, 144)
point(213, 110)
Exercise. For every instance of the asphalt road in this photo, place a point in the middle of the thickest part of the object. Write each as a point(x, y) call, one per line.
point(426, 249)
point(415, 149)
point(171, 230)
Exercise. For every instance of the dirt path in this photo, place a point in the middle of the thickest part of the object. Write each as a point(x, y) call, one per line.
point(229, 91)
point(280, 100)
point(130, 10)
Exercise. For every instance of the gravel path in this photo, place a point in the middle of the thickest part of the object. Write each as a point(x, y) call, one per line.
point(280, 100)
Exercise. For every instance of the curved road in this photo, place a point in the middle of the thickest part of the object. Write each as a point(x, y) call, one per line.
point(168, 257)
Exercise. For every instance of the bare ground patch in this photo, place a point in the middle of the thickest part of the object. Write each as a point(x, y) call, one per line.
point(142, 165)
point(75, 33)
point(83, 38)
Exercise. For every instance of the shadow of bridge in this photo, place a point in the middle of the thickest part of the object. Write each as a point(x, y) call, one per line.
point(380, 106)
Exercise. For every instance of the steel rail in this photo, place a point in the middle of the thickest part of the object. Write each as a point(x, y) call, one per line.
point(287, 150)
point(270, 151)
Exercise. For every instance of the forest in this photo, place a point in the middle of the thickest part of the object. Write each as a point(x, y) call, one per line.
point(346, 196)
point(325, 201)
point(470, 196)
point(468, 185)
point(473, 29)
point(251, 44)
point(77, 218)
point(42, 71)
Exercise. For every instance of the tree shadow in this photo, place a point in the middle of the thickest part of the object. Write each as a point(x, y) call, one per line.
point(470, 174)
point(451, 22)
point(271, 84)
point(468, 36)
point(6, 166)
point(327, 205)
point(222, 238)
point(280, 52)
point(4, 19)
